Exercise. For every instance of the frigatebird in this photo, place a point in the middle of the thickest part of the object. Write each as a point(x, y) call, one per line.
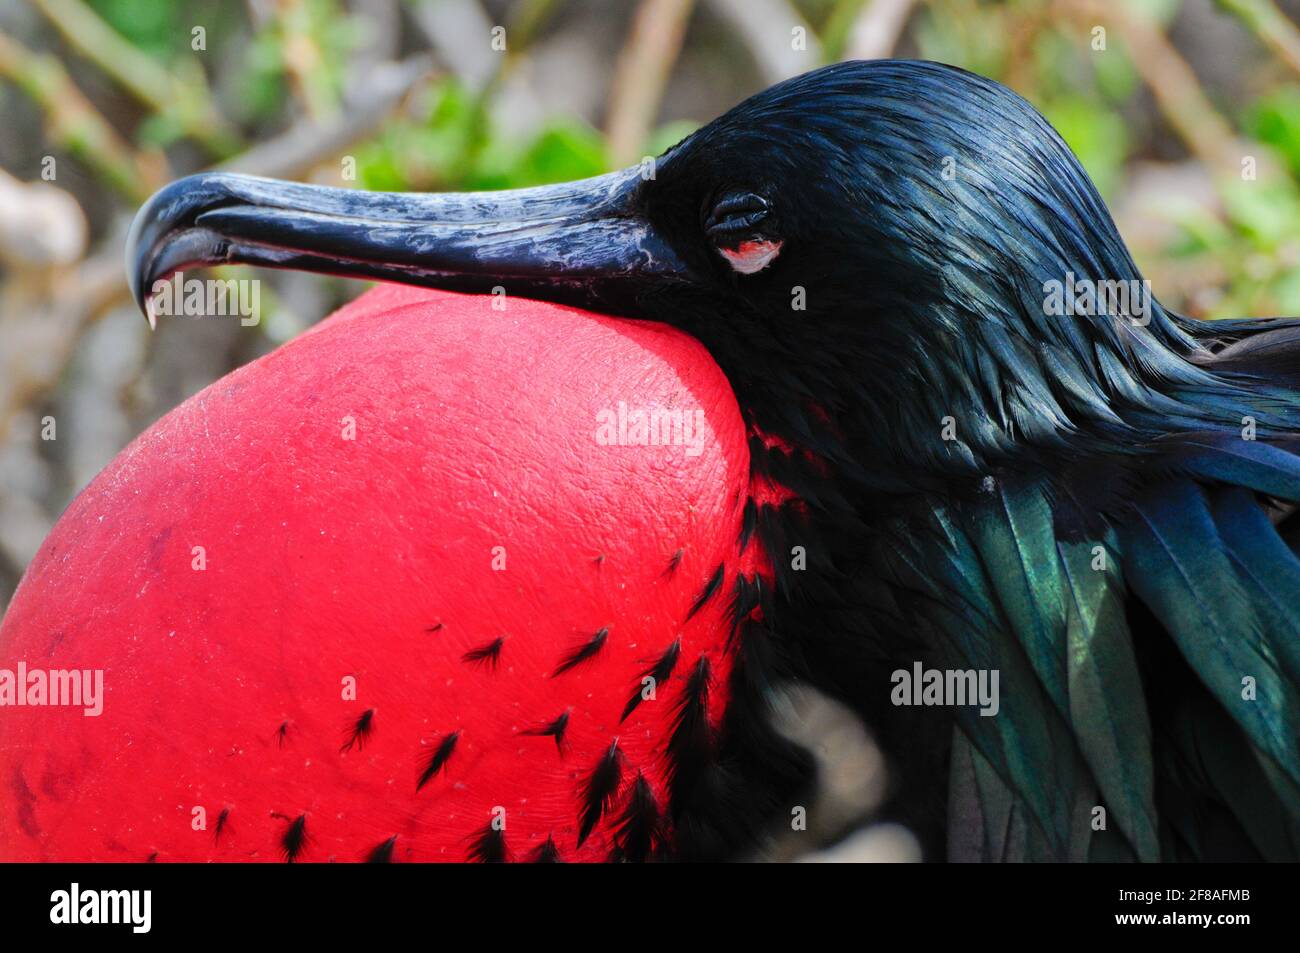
point(1096, 503)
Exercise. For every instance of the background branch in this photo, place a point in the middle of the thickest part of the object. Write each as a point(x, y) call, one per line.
point(642, 73)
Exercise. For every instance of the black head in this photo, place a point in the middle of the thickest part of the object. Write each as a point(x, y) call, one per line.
point(869, 244)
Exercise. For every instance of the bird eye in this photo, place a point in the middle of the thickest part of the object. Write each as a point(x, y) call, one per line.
point(735, 214)
point(736, 226)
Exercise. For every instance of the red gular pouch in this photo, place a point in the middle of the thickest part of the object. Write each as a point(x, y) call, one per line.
point(434, 581)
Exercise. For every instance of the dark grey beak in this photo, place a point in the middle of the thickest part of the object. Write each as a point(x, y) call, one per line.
point(583, 243)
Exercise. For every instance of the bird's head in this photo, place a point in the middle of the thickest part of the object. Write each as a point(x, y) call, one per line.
point(870, 243)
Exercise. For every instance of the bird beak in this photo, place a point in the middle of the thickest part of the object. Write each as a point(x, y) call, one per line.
point(583, 243)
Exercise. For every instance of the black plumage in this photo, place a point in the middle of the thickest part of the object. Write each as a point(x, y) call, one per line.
point(555, 728)
point(598, 789)
point(436, 758)
point(294, 840)
point(638, 832)
point(382, 853)
point(223, 824)
point(488, 845)
point(659, 673)
point(689, 751)
point(486, 656)
point(583, 652)
point(546, 853)
point(708, 592)
point(359, 731)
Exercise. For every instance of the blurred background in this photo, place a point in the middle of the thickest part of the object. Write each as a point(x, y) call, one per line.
point(1185, 112)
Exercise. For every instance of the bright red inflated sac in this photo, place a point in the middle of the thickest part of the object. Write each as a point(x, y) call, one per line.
point(377, 504)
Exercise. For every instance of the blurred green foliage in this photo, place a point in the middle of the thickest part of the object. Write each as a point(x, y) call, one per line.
point(1236, 256)
point(452, 147)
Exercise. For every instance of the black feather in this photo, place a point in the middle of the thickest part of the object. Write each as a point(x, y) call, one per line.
point(660, 671)
point(485, 655)
point(294, 840)
point(382, 853)
point(748, 523)
point(488, 846)
point(690, 743)
point(582, 653)
point(710, 589)
point(638, 831)
point(435, 759)
point(436, 627)
point(359, 732)
point(598, 790)
point(714, 809)
point(552, 729)
point(223, 824)
point(546, 853)
point(674, 561)
point(747, 598)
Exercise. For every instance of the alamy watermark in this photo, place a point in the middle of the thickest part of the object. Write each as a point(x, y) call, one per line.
point(55, 687)
point(195, 298)
point(947, 687)
point(652, 427)
point(75, 906)
point(1083, 297)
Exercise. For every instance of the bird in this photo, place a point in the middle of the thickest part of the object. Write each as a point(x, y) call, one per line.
point(956, 461)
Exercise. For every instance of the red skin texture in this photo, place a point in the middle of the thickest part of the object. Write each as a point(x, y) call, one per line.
point(327, 558)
